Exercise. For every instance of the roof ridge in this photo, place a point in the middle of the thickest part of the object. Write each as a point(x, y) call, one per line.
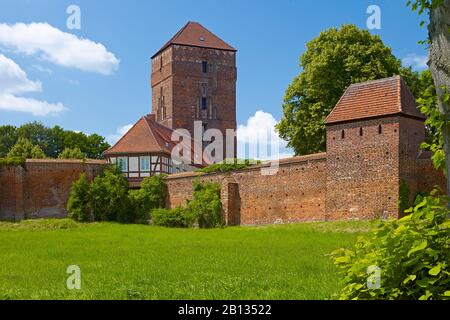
point(152, 133)
point(121, 138)
point(368, 82)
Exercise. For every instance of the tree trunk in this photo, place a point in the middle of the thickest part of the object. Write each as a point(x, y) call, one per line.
point(439, 63)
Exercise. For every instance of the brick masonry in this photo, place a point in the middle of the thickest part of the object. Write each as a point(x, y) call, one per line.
point(40, 188)
point(179, 83)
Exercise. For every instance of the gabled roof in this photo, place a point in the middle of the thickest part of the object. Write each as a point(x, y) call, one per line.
point(195, 35)
point(376, 98)
point(147, 136)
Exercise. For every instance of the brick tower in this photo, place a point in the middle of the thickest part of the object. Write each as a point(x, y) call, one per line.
point(194, 80)
point(373, 142)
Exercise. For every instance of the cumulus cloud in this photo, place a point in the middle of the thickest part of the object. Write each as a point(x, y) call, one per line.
point(257, 139)
point(58, 47)
point(417, 62)
point(113, 138)
point(14, 81)
point(8, 102)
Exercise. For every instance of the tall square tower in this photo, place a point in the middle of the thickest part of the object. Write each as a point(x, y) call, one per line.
point(194, 80)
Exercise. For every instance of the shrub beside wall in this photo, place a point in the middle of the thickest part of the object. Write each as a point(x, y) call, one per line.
point(108, 198)
point(205, 209)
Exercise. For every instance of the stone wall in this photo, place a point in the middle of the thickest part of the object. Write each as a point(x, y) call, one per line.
point(295, 193)
point(41, 188)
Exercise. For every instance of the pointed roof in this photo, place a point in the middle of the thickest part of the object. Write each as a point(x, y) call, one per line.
point(195, 35)
point(147, 136)
point(375, 98)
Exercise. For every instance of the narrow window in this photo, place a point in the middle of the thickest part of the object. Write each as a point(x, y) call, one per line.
point(122, 163)
point(342, 134)
point(380, 129)
point(145, 163)
point(205, 66)
point(360, 132)
point(204, 103)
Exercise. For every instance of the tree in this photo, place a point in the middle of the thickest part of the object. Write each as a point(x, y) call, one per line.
point(8, 138)
point(78, 205)
point(151, 195)
point(25, 149)
point(109, 196)
point(332, 61)
point(72, 153)
point(52, 141)
point(439, 64)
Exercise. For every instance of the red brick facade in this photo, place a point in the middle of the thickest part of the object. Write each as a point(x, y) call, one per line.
point(193, 82)
point(41, 188)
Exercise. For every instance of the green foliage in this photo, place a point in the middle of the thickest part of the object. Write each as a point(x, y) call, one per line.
point(332, 61)
point(12, 161)
point(427, 104)
point(205, 209)
point(109, 197)
point(178, 217)
point(72, 153)
point(206, 205)
point(412, 253)
point(403, 199)
point(229, 165)
point(52, 141)
point(150, 196)
point(25, 149)
point(78, 205)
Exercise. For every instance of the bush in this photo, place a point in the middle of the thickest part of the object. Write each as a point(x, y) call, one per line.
point(150, 196)
point(403, 200)
point(16, 161)
point(109, 197)
point(206, 205)
point(72, 153)
point(25, 149)
point(412, 253)
point(224, 166)
point(178, 217)
point(78, 205)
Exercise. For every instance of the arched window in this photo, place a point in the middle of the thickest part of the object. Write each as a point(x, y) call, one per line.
point(380, 129)
point(361, 131)
point(342, 134)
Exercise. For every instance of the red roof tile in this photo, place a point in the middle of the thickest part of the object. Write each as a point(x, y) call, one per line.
point(149, 136)
point(195, 35)
point(373, 99)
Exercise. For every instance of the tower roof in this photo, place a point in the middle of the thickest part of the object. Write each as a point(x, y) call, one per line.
point(375, 98)
point(147, 136)
point(195, 35)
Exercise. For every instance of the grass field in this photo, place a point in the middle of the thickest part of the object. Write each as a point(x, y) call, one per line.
point(146, 262)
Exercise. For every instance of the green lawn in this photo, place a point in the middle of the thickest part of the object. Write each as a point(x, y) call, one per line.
point(146, 262)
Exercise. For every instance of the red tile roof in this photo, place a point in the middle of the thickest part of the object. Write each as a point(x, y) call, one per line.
point(376, 98)
point(195, 35)
point(149, 137)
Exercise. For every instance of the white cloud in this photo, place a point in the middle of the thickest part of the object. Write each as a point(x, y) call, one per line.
point(8, 102)
point(14, 81)
point(58, 47)
point(417, 62)
point(257, 139)
point(113, 138)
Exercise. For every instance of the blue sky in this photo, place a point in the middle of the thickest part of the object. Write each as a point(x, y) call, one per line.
point(104, 95)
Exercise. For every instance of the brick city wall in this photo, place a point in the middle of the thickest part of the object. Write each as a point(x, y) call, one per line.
point(295, 193)
point(41, 188)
